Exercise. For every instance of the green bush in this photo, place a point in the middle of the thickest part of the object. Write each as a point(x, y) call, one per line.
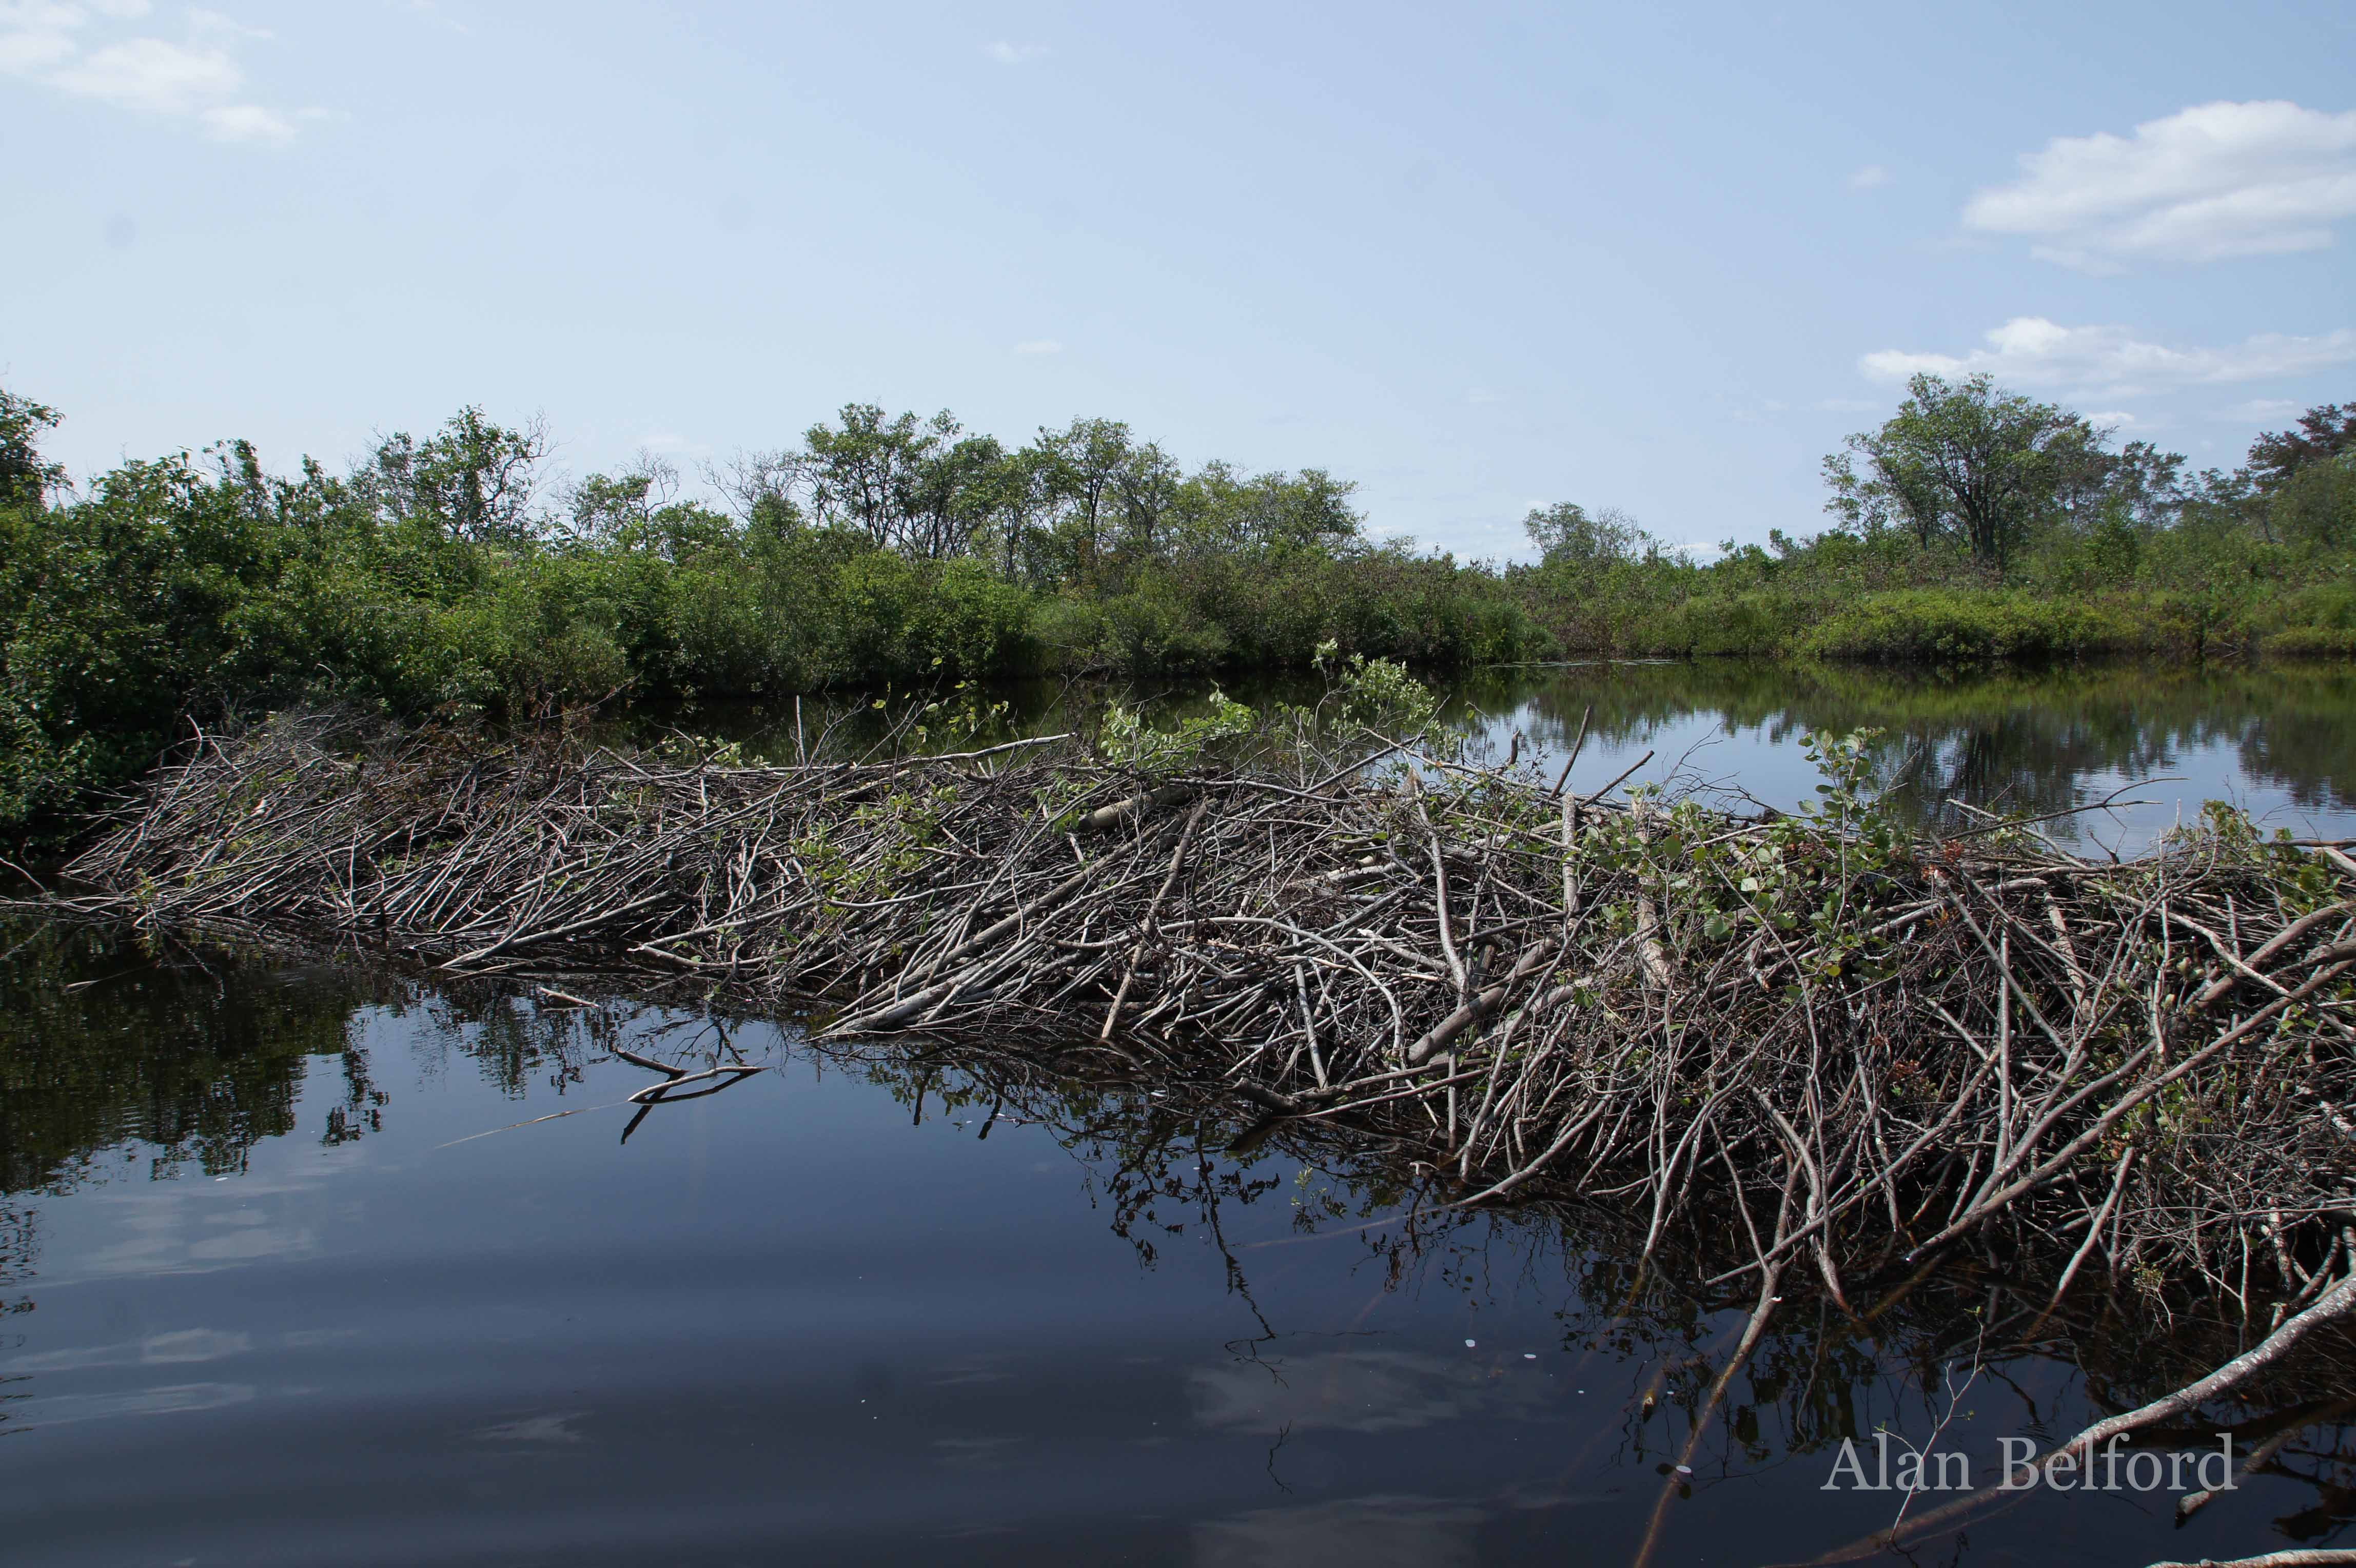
point(1931, 626)
point(2315, 622)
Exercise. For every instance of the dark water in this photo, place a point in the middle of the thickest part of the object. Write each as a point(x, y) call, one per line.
point(272, 1297)
point(2275, 740)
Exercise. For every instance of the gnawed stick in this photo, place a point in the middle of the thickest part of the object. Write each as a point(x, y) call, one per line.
point(1152, 910)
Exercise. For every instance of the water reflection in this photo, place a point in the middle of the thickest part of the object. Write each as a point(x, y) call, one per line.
point(317, 1247)
point(109, 1058)
point(2274, 738)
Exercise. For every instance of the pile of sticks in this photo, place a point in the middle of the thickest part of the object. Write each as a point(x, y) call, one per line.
point(1853, 1049)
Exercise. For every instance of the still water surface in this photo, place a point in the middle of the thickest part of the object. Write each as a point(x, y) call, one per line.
point(293, 1270)
point(273, 1297)
point(2278, 741)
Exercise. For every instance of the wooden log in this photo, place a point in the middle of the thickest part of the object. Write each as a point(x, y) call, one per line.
point(1481, 1006)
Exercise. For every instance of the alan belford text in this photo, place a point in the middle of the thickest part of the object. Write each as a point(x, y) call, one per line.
point(1897, 1467)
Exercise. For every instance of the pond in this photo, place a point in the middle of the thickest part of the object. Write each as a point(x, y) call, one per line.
point(303, 1261)
point(2154, 741)
point(2275, 740)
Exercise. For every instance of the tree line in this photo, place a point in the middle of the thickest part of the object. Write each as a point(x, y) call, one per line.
point(454, 574)
point(1977, 524)
point(1067, 508)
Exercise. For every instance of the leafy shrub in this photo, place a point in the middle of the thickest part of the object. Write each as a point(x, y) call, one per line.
point(2315, 622)
point(1962, 627)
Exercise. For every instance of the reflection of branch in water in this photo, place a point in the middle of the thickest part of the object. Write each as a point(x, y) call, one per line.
point(1954, 1402)
point(1209, 1203)
point(1283, 1435)
point(676, 1077)
point(2262, 1457)
point(720, 1076)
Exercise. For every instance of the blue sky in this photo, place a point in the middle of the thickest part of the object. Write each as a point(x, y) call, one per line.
point(1476, 258)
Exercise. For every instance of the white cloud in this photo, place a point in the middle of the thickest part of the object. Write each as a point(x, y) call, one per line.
point(1039, 346)
point(2116, 419)
point(247, 123)
point(2031, 352)
point(198, 80)
point(153, 75)
point(1869, 177)
point(27, 53)
point(35, 34)
point(1006, 53)
point(63, 15)
point(2209, 182)
point(204, 21)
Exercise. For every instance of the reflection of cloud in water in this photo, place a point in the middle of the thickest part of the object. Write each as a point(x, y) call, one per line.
point(552, 1428)
point(165, 1231)
point(1355, 1532)
point(157, 1349)
point(307, 1338)
point(975, 1453)
point(58, 1410)
point(194, 1345)
point(1361, 1390)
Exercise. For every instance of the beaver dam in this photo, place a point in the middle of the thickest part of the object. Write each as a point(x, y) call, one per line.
point(1802, 1058)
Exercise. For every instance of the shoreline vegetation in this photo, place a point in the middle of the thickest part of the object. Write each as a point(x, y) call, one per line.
point(1813, 1056)
point(456, 575)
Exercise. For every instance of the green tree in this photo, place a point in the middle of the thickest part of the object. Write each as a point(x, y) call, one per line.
point(953, 498)
point(26, 478)
point(1568, 534)
point(2324, 434)
point(2316, 506)
point(638, 511)
point(2141, 482)
point(1962, 458)
point(1083, 464)
point(760, 491)
point(1008, 498)
point(121, 612)
point(910, 485)
point(859, 476)
point(1148, 483)
point(473, 480)
point(1219, 511)
point(1308, 511)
